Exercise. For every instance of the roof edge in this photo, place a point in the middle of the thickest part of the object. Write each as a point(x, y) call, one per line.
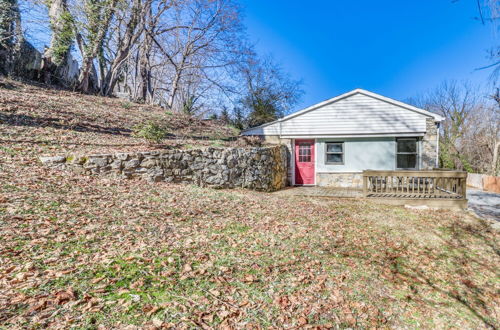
point(437, 117)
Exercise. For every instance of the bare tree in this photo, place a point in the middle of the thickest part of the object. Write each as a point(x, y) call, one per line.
point(270, 93)
point(470, 134)
point(185, 55)
point(93, 18)
point(489, 12)
point(125, 35)
point(203, 42)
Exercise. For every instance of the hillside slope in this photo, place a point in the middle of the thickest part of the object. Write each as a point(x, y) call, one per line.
point(59, 121)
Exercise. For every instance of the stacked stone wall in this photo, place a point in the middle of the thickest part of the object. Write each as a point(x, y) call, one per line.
point(252, 168)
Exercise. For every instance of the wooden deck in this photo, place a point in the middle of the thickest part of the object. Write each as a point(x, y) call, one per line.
point(437, 188)
point(314, 191)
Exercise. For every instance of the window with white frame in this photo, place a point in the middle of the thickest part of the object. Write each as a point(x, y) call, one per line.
point(305, 152)
point(406, 153)
point(334, 153)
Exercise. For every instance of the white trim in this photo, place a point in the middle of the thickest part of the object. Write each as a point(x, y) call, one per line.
point(420, 145)
point(419, 157)
point(315, 160)
point(293, 162)
point(305, 137)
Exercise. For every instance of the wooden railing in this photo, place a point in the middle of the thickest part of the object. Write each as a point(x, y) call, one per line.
point(415, 184)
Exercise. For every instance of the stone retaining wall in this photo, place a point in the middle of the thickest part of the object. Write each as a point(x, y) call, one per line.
point(340, 180)
point(252, 168)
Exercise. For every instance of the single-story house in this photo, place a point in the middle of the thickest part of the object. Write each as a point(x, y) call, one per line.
point(332, 142)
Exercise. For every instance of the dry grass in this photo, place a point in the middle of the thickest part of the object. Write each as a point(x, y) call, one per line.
point(84, 252)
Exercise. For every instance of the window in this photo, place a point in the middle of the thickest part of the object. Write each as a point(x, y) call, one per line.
point(334, 153)
point(406, 153)
point(305, 152)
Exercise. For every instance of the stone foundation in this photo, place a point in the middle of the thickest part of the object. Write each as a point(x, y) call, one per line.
point(253, 168)
point(429, 145)
point(340, 180)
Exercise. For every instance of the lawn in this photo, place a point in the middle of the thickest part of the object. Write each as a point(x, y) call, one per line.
point(81, 251)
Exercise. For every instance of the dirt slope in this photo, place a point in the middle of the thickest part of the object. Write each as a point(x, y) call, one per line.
point(57, 120)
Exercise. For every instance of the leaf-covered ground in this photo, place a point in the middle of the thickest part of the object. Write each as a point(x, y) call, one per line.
point(79, 251)
point(62, 121)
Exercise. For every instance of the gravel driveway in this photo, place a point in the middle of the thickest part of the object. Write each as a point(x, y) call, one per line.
point(485, 204)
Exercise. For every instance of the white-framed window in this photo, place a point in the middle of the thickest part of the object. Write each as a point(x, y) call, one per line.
point(305, 152)
point(334, 153)
point(407, 153)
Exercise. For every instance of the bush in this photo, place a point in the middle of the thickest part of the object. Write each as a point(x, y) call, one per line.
point(150, 131)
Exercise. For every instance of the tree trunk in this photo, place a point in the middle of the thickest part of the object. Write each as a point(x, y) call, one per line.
point(173, 90)
point(59, 67)
point(494, 163)
point(84, 84)
point(146, 93)
point(99, 27)
point(131, 35)
point(60, 24)
point(10, 37)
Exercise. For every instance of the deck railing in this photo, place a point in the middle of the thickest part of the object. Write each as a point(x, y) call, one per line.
point(435, 184)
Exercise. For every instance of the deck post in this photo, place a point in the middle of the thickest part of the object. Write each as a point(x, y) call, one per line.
point(365, 185)
point(464, 186)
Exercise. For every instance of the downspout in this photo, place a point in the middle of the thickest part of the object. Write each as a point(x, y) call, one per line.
point(437, 143)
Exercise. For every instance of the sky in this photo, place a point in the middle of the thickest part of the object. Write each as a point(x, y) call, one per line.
point(399, 49)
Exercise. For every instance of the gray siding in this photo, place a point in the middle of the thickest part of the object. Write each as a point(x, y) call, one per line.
point(359, 154)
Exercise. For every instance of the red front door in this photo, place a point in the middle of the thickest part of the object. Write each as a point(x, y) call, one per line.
point(304, 161)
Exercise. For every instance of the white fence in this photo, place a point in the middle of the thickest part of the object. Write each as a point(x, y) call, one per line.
point(484, 182)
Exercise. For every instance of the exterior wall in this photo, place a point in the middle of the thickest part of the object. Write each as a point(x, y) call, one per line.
point(355, 115)
point(270, 139)
point(288, 143)
point(429, 146)
point(359, 154)
point(269, 129)
point(475, 180)
point(253, 168)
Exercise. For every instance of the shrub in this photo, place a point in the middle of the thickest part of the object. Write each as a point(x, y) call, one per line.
point(150, 131)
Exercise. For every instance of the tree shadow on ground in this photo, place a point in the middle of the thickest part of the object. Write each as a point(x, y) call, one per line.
point(58, 123)
point(467, 255)
point(461, 286)
point(54, 122)
point(7, 85)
